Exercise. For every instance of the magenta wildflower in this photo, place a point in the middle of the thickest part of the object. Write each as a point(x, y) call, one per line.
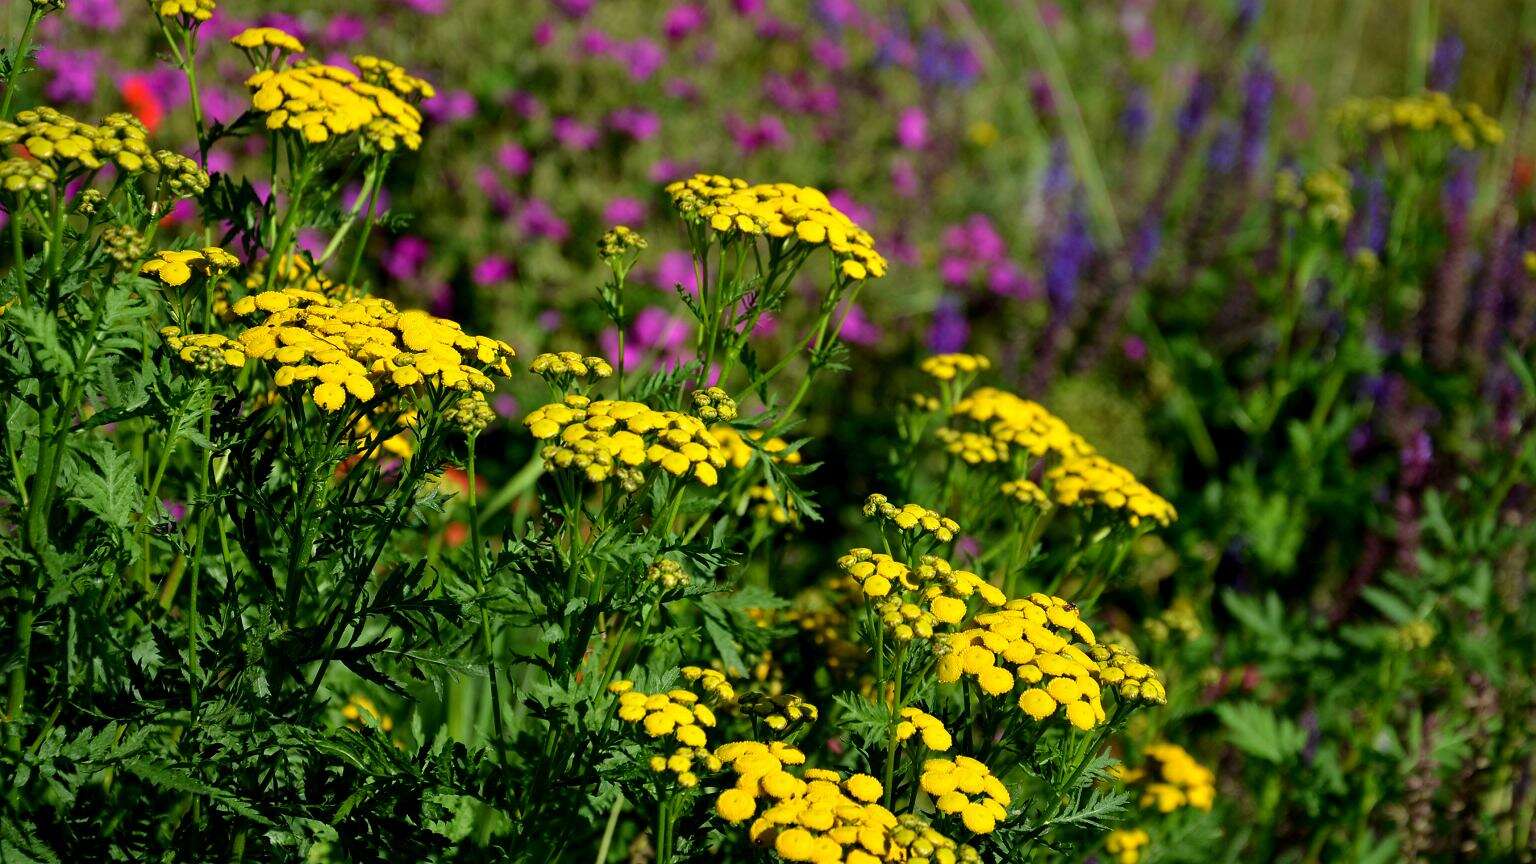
point(912, 129)
point(403, 260)
point(624, 211)
point(538, 219)
point(572, 134)
point(491, 270)
point(73, 74)
point(641, 124)
point(682, 21)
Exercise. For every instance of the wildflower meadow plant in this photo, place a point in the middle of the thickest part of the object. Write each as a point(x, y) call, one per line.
point(1009, 455)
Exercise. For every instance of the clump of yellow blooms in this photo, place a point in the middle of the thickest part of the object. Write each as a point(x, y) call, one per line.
point(352, 347)
point(966, 787)
point(711, 681)
point(123, 243)
point(676, 713)
point(471, 413)
point(738, 452)
point(767, 506)
point(188, 11)
point(1466, 124)
point(912, 518)
point(1323, 195)
point(265, 46)
point(973, 448)
point(781, 211)
point(1171, 779)
point(562, 367)
point(667, 573)
point(619, 241)
point(173, 268)
point(24, 175)
point(612, 438)
point(713, 404)
point(931, 593)
point(1093, 481)
point(320, 102)
point(1024, 491)
point(1123, 671)
point(914, 840)
point(947, 367)
point(1012, 421)
point(65, 146)
point(876, 572)
point(391, 75)
point(916, 721)
point(781, 712)
point(1045, 639)
point(360, 711)
point(1127, 844)
point(205, 352)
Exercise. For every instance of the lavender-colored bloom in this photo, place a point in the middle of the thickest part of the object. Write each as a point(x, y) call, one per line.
point(96, 14)
point(1369, 229)
point(572, 134)
point(221, 105)
point(1067, 257)
point(1135, 117)
point(345, 29)
point(1008, 279)
point(943, 62)
point(403, 260)
point(594, 43)
point(1145, 245)
point(749, 8)
point(912, 129)
point(450, 106)
point(682, 21)
point(1445, 66)
point(514, 160)
point(1221, 157)
point(426, 7)
point(1134, 349)
point(543, 34)
point(675, 268)
point(1196, 105)
point(538, 219)
point(641, 124)
point(829, 54)
point(74, 74)
point(1460, 188)
point(949, 331)
point(641, 57)
point(859, 328)
point(1259, 87)
point(624, 211)
point(1248, 12)
point(491, 270)
point(836, 14)
point(904, 178)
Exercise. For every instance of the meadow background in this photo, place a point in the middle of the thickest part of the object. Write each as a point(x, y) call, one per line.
point(1172, 222)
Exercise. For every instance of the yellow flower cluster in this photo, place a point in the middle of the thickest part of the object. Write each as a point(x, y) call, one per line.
point(738, 452)
point(1171, 778)
point(24, 175)
point(263, 44)
point(912, 518)
point(1467, 125)
point(933, 582)
point(1123, 671)
point(66, 146)
point(711, 681)
point(1093, 481)
point(973, 448)
point(1024, 491)
point(916, 721)
point(173, 268)
point(562, 367)
point(733, 207)
point(779, 712)
point(713, 404)
point(820, 817)
point(1012, 421)
point(612, 438)
point(350, 347)
point(1323, 194)
point(915, 841)
point(206, 352)
point(766, 506)
point(676, 713)
point(471, 414)
point(360, 712)
point(948, 367)
point(1126, 845)
point(667, 573)
point(966, 787)
point(1036, 634)
point(190, 11)
point(320, 102)
point(618, 241)
point(681, 764)
point(390, 75)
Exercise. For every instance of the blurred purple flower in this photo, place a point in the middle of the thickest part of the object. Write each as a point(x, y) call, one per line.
point(543, 34)
point(426, 7)
point(1135, 23)
point(538, 219)
point(73, 74)
point(1068, 254)
point(682, 21)
point(1196, 105)
point(943, 62)
point(748, 8)
point(345, 29)
point(514, 160)
point(641, 124)
point(311, 240)
point(349, 199)
point(655, 332)
point(843, 201)
point(858, 329)
point(624, 211)
point(767, 133)
point(904, 178)
point(1008, 279)
point(594, 43)
point(1416, 458)
point(1259, 86)
point(176, 510)
point(575, 8)
point(1445, 66)
point(949, 330)
point(505, 405)
point(450, 106)
point(676, 268)
point(836, 14)
point(403, 260)
point(642, 58)
point(96, 14)
point(1135, 117)
point(912, 129)
point(491, 270)
point(550, 320)
point(1134, 349)
point(572, 134)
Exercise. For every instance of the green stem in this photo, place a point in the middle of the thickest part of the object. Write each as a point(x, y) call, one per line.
point(19, 60)
point(485, 619)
